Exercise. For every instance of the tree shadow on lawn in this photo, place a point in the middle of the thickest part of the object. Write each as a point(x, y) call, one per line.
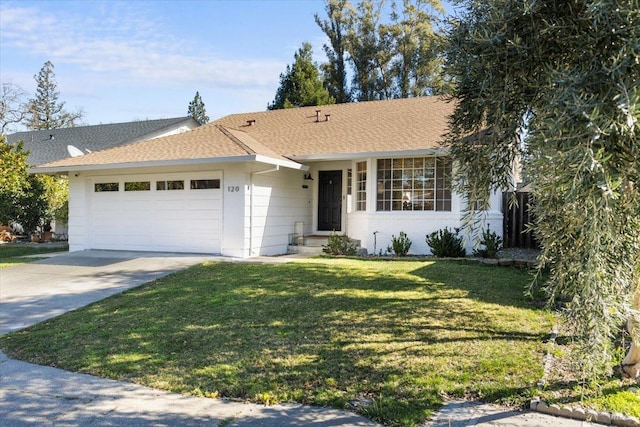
point(319, 333)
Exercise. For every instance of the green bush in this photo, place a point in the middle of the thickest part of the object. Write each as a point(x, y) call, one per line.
point(492, 244)
point(400, 245)
point(445, 243)
point(340, 244)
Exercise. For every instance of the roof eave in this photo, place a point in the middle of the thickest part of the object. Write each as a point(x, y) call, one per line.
point(181, 162)
point(368, 154)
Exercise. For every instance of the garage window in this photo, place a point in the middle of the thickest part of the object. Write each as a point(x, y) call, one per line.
point(137, 186)
point(169, 185)
point(205, 184)
point(105, 186)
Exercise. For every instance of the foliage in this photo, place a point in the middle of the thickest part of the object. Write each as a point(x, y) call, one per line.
point(197, 110)
point(567, 73)
point(300, 85)
point(400, 245)
point(12, 107)
point(320, 331)
point(45, 111)
point(340, 244)
point(21, 194)
point(446, 244)
point(56, 196)
point(394, 56)
point(490, 244)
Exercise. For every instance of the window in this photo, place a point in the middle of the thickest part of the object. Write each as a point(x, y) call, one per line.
point(137, 186)
point(169, 185)
point(414, 184)
point(361, 186)
point(105, 186)
point(205, 184)
point(349, 179)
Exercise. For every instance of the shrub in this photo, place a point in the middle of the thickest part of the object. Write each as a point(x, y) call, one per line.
point(492, 244)
point(400, 245)
point(445, 243)
point(340, 244)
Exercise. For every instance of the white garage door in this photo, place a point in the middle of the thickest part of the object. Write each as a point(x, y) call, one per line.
point(165, 213)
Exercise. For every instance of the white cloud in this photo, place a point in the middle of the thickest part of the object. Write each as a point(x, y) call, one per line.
point(121, 42)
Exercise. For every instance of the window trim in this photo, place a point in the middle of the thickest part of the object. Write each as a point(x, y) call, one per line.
point(106, 189)
point(133, 187)
point(215, 184)
point(402, 185)
point(361, 186)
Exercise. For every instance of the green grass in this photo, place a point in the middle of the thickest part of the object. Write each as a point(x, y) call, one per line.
point(12, 253)
point(402, 334)
point(611, 394)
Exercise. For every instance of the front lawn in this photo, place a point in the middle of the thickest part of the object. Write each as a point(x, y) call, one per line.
point(13, 253)
point(398, 336)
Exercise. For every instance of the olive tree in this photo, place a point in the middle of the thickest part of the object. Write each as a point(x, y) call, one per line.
point(555, 85)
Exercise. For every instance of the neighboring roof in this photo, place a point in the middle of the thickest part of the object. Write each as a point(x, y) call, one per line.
point(51, 144)
point(299, 134)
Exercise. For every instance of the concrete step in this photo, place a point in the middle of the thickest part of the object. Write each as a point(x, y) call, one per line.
point(308, 250)
point(313, 245)
point(316, 240)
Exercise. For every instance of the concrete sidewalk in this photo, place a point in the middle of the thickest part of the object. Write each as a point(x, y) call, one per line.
point(33, 395)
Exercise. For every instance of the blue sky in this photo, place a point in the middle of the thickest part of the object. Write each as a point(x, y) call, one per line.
point(136, 60)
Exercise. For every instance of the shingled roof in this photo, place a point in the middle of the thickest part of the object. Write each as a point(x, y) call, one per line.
point(51, 144)
point(322, 132)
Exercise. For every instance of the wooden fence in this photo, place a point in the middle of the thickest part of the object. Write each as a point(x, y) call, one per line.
point(515, 221)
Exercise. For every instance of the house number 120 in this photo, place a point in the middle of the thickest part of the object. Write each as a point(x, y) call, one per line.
point(233, 189)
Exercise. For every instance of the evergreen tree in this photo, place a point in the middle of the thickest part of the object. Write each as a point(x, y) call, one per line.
point(417, 62)
point(568, 73)
point(45, 111)
point(300, 85)
point(398, 57)
point(335, 71)
point(197, 110)
point(365, 49)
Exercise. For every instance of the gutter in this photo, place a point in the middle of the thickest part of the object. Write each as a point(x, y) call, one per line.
point(369, 154)
point(180, 162)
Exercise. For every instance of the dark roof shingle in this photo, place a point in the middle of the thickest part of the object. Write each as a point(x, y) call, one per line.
point(50, 145)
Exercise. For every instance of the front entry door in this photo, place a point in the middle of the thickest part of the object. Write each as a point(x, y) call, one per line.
point(330, 201)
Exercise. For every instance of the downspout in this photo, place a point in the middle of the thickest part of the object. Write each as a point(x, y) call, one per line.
point(275, 169)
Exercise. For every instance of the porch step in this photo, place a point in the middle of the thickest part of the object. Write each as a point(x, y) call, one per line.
point(308, 250)
point(312, 245)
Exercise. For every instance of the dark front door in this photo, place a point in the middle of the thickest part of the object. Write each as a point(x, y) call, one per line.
point(330, 201)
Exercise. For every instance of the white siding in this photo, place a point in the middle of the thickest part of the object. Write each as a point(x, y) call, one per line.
point(279, 201)
point(78, 210)
point(416, 224)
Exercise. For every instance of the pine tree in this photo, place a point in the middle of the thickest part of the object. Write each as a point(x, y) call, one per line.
point(300, 85)
point(45, 111)
point(197, 110)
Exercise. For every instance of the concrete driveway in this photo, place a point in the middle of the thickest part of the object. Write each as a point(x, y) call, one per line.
point(31, 293)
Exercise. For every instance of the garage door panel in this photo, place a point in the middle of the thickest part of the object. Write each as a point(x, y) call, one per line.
point(158, 220)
